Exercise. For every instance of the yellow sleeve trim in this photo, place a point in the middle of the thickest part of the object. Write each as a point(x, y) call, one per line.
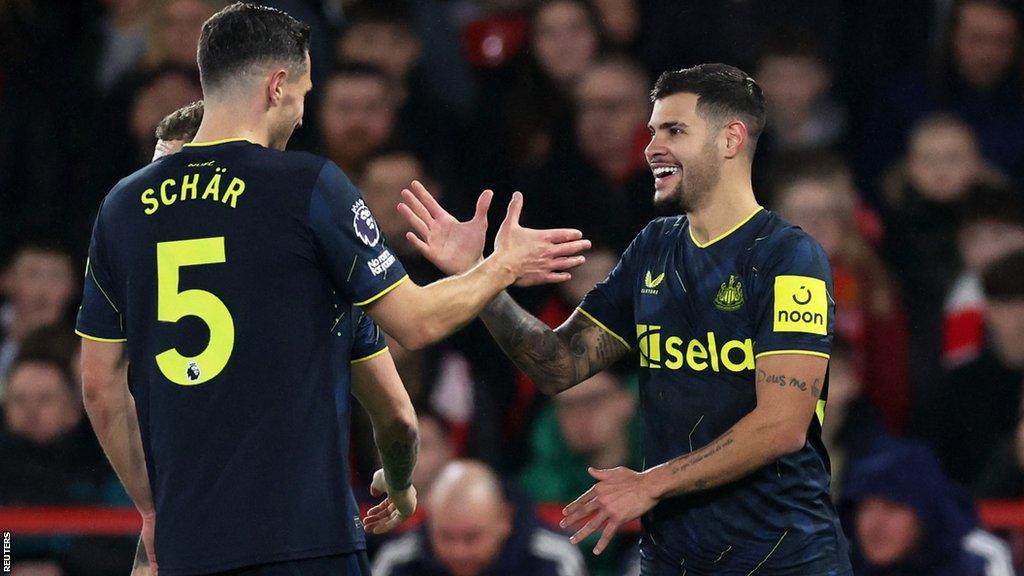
point(98, 339)
point(215, 142)
point(803, 352)
point(370, 357)
point(727, 232)
point(382, 292)
point(605, 328)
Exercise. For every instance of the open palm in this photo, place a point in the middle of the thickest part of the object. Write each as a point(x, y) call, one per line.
point(453, 246)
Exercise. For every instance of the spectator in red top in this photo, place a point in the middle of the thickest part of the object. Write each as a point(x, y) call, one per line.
point(991, 226)
point(821, 200)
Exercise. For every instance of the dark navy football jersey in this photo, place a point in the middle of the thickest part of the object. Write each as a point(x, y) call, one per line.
point(700, 315)
point(229, 270)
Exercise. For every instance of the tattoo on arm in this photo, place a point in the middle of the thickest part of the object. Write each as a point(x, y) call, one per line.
point(398, 454)
point(554, 359)
point(783, 382)
point(141, 558)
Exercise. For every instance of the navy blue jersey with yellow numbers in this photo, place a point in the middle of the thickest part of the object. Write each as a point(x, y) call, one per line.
point(230, 271)
point(700, 315)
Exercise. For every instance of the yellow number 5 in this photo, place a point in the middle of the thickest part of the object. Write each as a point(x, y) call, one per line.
point(173, 306)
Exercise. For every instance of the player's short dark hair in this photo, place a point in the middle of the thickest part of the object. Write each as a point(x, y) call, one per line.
point(182, 124)
point(245, 35)
point(1004, 278)
point(723, 93)
point(988, 203)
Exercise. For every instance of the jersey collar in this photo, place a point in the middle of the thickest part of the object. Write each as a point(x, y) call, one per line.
point(726, 233)
point(215, 142)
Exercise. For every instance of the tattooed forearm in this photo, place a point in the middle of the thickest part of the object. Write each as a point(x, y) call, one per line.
point(554, 359)
point(398, 449)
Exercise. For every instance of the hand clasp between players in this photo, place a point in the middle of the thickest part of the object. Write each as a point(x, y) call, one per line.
point(619, 496)
point(534, 256)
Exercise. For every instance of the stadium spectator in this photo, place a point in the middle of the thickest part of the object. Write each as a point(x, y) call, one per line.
point(608, 174)
point(976, 73)
point(820, 198)
point(1003, 475)
point(357, 116)
point(796, 80)
point(592, 424)
point(991, 225)
point(123, 31)
point(49, 456)
point(38, 287)
point(908, 518)
point(980, 401)
point(175, 31)
point(473, 530)
point(922, 200)
point(534, 94)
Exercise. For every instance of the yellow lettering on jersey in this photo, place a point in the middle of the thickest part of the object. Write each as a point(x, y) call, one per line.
point(190, 183)
point(734, 356)
point(801, 305)
point(149, 199)
point(696, 354)
point(674, 352)
point(235, 189)
point(747, 361)
point(164, 197)
point(213, 188)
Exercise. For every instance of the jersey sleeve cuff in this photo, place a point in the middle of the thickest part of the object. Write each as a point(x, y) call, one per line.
point(370, 357)
point(381, 294)
point(803, 352)
point(98, 339)
point(601, 325)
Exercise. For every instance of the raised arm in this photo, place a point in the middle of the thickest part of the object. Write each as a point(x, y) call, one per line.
point(554, 359)
point(378, 388)
point(419, 315)
point(111, 411)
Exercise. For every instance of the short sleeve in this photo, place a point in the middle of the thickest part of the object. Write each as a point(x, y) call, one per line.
point(610, 303)
point(367, 338)
point(795, 308)
point(350, 243)
point(99, 317)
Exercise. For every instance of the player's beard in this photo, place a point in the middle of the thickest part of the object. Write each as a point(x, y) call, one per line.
point(696, 180)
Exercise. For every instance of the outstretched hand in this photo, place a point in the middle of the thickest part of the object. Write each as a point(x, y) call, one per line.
point(619, 496)
point(538, 256)
point(449, 244)
point(397, 506)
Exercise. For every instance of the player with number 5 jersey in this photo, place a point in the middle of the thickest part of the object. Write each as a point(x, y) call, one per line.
point(217, 290)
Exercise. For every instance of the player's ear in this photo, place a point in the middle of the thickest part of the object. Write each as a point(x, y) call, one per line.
point(735, 138)
point(275, 85)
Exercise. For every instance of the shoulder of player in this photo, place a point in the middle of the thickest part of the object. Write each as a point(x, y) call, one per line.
point(555, 549)
point(777, 235)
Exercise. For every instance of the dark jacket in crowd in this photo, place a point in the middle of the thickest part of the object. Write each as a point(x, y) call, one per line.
point(530, 550)
point(908, 473)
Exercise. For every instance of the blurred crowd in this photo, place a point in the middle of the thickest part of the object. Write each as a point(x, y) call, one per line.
point(895, 138)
